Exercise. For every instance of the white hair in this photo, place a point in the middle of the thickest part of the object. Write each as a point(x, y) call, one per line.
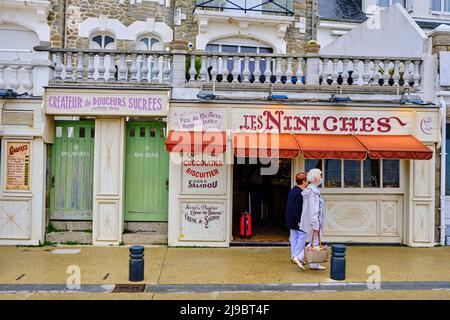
point(314, 174)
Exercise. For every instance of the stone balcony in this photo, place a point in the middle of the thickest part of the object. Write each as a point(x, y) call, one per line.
point(216, 71)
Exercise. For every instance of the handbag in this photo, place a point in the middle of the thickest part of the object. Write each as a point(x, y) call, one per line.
point(317, 255)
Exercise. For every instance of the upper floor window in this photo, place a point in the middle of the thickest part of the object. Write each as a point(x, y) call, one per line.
point(440, 5)
point(149, 43)
point(102, 41)
point(387, 3)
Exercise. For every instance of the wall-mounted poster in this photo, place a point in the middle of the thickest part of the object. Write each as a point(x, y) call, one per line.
point(202, 221)
point(204, 173)
point(18, 165)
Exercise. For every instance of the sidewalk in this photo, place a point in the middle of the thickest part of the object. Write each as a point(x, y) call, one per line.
point(201, 266)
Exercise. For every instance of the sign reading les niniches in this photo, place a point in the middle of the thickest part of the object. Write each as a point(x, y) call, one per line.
point(316, 122)
point(94, 102)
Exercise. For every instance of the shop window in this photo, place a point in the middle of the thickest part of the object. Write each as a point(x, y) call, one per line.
point(352, 174)
point(391, 173)
point(149, 43)
point(313, 164)
point(69, 132)
point(333, 173)
point(58, 132)
point(82, 132)
point(371, 173)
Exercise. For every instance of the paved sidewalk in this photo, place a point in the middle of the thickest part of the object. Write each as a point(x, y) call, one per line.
point(48, 265)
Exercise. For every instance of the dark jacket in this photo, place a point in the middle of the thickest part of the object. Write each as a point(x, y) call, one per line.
point(294, 208)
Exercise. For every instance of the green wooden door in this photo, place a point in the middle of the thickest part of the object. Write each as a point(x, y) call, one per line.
point(146, 172)
point(72, 170)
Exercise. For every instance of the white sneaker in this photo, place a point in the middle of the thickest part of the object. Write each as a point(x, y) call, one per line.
point(319, 267)
point(299, 263)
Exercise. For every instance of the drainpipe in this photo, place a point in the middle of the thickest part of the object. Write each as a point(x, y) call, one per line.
point(443, 169)
point(313, 19)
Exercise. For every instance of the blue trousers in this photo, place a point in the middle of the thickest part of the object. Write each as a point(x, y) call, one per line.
point(298, 241)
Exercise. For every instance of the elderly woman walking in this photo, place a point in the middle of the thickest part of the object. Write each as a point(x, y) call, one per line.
point(313, 213)
point(293, 215)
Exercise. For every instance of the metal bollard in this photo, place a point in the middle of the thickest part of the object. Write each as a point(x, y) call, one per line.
point(338, 260)
point(136, 263)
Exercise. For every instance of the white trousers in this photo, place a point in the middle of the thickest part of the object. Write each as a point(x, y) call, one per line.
point(298, 241)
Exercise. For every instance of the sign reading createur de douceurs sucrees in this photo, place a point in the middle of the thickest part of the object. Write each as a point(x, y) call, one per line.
point(106, 102)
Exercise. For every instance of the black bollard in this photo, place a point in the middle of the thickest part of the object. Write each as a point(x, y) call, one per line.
point(136, 263)
point(337, 269)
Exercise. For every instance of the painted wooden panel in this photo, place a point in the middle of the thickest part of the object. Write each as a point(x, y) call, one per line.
point(421, 222)
point(107, 227)
point(109, 157)
point(352, 218)
point(363, 218)
point(390, 218)
point(202, 221)
point(146, 172)
point(15, 219)
point(422, 178)
point(72, 170)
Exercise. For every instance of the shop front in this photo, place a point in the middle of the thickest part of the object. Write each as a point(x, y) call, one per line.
point(228, 158)
point(107, 160)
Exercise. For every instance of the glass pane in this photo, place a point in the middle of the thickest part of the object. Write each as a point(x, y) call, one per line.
point(391, 173)
point(229, 48)
point(401, 2)
point(212, 48)
point(132, 132)
point(82, 132)
point(371, 173)
point(447, 5)
point(248, 49)
point(98, 40)
point(313, 164)
point(265, 50)
point(70, 132)
point(92, 133)
point(333, 173)
point(142, 132)
point(383, 3)
point(108, 40)
point(152, 132)
point(58, 132)
point(435, 5)
point(352, 174)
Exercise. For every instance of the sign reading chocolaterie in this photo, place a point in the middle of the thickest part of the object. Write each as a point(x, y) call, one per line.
point(106, 102)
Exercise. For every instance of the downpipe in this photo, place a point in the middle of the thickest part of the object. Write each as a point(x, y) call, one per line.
point(443, 110)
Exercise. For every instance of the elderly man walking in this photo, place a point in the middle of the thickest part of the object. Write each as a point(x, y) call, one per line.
point(293, 217)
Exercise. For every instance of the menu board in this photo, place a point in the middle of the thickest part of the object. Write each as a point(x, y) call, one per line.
point(18, 165)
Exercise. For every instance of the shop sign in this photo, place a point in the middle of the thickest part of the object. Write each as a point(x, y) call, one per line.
point(197, 121)
point(202, 221)
point(18, 165)
point(203, 173)
point(322, 121)
point(106, 102)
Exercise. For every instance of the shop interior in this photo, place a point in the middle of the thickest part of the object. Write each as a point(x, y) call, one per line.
point(264, 196)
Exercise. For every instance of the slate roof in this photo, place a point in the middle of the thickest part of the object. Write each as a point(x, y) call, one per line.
point(430, 24)
point(340, 10)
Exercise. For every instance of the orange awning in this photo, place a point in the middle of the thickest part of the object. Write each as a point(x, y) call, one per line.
point(395, 147)
point(265, 145)
point(330, 146)
point(196, 141)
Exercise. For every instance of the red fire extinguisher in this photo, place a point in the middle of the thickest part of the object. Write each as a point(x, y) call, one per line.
point(246, 221)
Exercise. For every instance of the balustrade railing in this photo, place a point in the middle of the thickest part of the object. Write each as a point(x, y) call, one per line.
point(111, 66)
point(302, 70)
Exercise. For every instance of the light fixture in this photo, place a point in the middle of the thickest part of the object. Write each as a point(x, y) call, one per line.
point(339, 98)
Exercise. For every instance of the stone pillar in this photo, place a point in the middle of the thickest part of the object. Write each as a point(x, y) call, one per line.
point(108, 181)
point(179, 48)
point(312, 70)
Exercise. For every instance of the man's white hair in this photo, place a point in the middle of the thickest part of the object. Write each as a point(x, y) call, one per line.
point(314, 174)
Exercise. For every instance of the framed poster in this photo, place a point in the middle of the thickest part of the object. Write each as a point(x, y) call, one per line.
point(18, 165)
point(202, 221)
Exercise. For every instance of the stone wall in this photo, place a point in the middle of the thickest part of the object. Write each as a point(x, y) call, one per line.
point(79, 10)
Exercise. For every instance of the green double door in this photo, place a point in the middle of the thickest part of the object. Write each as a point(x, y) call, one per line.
point(72, 166)
point(146, 172)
